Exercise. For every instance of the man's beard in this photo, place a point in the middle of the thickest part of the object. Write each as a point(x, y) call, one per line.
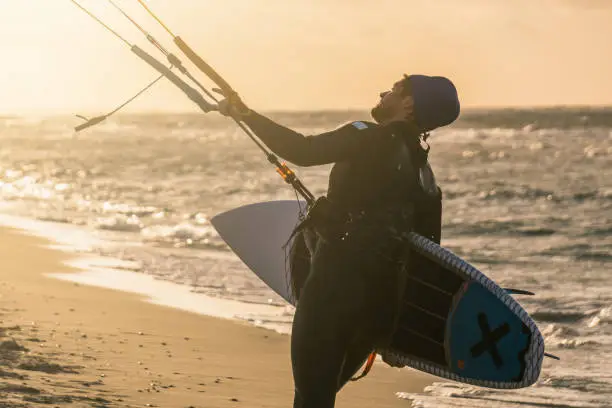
point(380, 113)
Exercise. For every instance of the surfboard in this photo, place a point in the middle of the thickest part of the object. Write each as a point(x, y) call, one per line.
point(456, 323)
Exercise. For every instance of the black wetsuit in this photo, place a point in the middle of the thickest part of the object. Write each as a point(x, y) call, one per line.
point(349, 303)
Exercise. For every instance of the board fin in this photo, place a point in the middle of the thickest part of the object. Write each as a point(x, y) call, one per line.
point(512, 291)
point(552, 356)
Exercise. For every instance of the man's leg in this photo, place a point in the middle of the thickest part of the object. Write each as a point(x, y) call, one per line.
point(317, 356)
point(324, 326)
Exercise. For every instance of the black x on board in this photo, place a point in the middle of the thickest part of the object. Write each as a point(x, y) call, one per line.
point(489, 340)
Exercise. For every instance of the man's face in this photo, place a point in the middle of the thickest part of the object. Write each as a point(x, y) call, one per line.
point(396, 104)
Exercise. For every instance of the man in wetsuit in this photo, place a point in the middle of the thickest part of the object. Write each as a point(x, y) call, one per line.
point(350, 288)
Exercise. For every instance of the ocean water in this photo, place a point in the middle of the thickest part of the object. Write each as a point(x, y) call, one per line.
point(528, 200)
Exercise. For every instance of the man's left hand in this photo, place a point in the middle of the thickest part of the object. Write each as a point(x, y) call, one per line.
point(232, 105)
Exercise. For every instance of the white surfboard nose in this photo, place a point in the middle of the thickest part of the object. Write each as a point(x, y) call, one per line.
point(258, 234)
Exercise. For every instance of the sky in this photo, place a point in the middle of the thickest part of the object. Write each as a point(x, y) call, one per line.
point(309, 54)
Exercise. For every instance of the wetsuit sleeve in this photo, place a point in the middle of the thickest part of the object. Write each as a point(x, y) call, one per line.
point(330, 147)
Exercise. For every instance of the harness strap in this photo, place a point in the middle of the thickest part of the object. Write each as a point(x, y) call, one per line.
point(367, 368)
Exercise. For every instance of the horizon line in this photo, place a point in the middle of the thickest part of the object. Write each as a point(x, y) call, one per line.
point(468, 109)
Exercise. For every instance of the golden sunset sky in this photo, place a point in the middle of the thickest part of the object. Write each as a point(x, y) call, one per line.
point(311, 54)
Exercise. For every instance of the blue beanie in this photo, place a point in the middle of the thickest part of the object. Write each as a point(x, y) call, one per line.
point(436, 102)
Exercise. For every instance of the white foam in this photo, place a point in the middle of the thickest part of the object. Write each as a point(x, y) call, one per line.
point(184, 231)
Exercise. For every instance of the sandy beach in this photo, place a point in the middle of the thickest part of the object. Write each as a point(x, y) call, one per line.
point(63, 343)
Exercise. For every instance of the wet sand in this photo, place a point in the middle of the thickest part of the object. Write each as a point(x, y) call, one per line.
point(67, 344)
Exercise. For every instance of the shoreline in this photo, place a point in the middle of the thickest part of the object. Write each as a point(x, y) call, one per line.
point(113, 273)
point(65, 343)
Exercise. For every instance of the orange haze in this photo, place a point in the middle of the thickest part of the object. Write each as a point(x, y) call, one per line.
point(317, 54)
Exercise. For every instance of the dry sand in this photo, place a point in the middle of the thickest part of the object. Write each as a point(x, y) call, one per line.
point(65, 344)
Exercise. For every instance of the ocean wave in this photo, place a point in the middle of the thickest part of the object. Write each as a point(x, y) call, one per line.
point(597, 194)
point(532, 119)
point(129, 209)
point(566, 338)
point(597, 231)
point(183, 234)
point(556, 316)
point(548, 392)
point(119, 222)
point(559, 331)
point(451, 395)
point(507, 192)
point(499, 227)
point(484, 227)
point(582, 384)
point(595, 256)
point(522, 192)
point(55, 218)
point(535, 231)
point(582, 252)
point(603, 317)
